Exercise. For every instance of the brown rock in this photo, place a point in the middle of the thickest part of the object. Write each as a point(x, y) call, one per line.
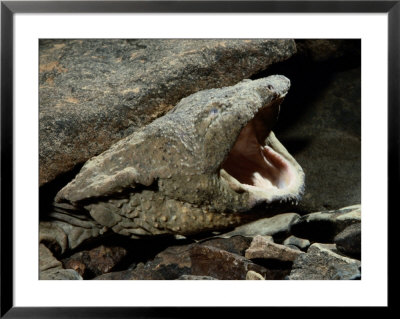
point(235, 244)
point(97, 261)
point(220, 264)
point(169, 264)
point(263, 248)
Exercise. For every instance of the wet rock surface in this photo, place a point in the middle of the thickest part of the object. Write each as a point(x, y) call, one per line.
point(320, 239)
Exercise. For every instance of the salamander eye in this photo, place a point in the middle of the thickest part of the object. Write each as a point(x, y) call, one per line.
point(213, 111)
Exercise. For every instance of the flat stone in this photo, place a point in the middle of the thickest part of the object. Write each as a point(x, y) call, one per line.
point(271, 226)
point(94, 92)
point(59, 274)
point(320, 263)
point(263, 248)
point(296, 241)
point(325, 225)
point(348, 241)
point(220, 264)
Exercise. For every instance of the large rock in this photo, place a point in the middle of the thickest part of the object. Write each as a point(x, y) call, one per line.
point(235, 244)
point(278, 225)
point(171, 263)
point(95, 92)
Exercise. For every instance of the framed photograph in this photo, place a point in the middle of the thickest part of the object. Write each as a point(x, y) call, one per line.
point(159, 156)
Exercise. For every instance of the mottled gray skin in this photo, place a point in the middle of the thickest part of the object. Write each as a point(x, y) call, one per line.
point(165, 178)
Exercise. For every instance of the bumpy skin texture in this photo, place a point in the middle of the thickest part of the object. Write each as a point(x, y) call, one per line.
point(165, 177)
point(94, 92)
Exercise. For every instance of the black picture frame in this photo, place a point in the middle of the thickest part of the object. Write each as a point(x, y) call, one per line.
point(9, 8)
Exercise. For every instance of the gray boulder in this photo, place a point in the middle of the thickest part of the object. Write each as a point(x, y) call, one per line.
point(321, 262)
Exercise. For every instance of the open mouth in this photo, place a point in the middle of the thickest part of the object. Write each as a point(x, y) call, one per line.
point(259, 164)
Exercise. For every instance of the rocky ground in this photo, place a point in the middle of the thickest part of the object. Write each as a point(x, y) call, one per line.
point(322, 246)
point(320, 125)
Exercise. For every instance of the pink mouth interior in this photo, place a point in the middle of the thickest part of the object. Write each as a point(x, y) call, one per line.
point(257, 165)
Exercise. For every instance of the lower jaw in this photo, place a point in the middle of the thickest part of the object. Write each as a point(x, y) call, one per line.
point(286, 186)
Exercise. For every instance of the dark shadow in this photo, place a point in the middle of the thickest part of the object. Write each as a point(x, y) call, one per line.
point(49, 190)
point(308, 79)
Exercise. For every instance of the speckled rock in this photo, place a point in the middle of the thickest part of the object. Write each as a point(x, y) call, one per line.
point(263, 248)
point(348, 241)
point(347, 272)
point(220, 264)
point(272, 226)
point(324, 226)
point(95, 262)
point(95, 92)
point(59, 274)
point(298, 242)
point(320, 262)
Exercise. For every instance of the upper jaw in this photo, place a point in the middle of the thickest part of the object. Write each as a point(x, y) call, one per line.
point(260, 165)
